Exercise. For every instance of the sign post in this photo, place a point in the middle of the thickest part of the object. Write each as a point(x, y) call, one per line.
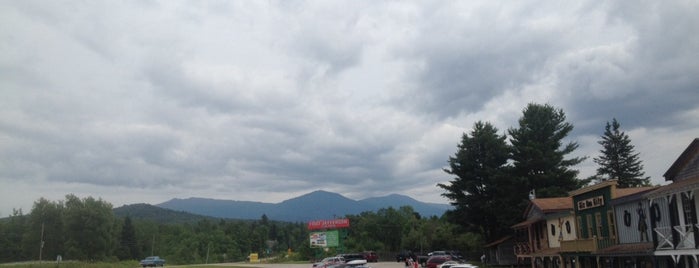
point(328, 233)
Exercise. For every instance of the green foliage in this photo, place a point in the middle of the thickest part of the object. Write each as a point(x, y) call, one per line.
point(128, 247)
point(618, 159)
point(492, 180)
point(45, 220)
point(75, 264)
point(478, 167)
point(158, 215)
point(538, 153)
point(11, 233)
point(70, 224)
point(89, 228)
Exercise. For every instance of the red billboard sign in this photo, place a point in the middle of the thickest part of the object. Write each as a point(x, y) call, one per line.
point(328, 224)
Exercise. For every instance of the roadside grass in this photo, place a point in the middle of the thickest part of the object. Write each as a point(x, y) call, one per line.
point(123, 264)
point(73, 264)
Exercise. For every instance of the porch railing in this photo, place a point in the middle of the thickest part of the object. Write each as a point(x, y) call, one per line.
point(684, 233)
point(522, 248)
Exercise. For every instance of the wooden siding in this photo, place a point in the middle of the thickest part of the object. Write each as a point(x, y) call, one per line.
point(628, 220)
point(594, 219)
point(662, 226)
point(691, 170)
point(563, 231)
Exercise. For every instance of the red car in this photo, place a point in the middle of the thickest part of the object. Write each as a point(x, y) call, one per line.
point(371, 256)
point(435, 261)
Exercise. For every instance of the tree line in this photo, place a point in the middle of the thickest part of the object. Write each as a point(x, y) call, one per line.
point(495, 173)
point(88, 230)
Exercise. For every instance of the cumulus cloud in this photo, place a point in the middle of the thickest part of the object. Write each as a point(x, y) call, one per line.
point(265, 101)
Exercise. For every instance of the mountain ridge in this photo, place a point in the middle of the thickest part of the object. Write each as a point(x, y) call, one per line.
point(314, 205)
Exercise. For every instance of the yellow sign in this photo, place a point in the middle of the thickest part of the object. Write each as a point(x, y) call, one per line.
point(254, 258)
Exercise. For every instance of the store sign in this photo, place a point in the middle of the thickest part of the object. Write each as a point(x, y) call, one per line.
point(328, 224)
point(325, 239)
point(593, 202)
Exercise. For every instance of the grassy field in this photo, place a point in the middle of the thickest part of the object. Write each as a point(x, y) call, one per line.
point(76, 264)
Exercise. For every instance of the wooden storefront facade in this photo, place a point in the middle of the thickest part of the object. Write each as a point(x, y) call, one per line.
point(609, 227)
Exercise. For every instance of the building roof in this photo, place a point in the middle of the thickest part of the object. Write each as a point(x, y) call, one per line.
point(547, 206)
point(526, 222)
point(625, 195)
point(554, 204)
point(622, 192)
point(674, 187)
point(682, 160)
point(607, 183)
point(498, 242)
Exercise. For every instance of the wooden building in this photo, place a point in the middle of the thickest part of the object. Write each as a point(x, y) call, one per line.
point(598, 240)
point(633, 248)
point(500, 252)
point(673, 212)
point(538, 239)
point(602, 226)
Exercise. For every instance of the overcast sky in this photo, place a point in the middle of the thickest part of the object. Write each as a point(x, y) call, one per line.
point(144, 101)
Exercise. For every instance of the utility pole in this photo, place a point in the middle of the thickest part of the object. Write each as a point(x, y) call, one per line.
point(207, 252)
point(41, 246)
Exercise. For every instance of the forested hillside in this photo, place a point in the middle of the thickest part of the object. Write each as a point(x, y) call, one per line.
point(158, 215)
point(89, 229)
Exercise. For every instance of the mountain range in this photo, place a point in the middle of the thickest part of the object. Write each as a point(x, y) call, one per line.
point(316, 205)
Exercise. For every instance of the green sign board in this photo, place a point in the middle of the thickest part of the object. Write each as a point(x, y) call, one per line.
point(325, 239)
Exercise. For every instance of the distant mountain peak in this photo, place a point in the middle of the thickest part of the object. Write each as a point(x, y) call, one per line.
point(315, 205)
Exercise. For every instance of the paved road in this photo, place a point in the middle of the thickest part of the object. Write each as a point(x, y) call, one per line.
point(309, 265)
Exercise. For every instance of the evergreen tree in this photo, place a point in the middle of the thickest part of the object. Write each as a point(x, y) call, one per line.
point(11, 231)
point(128, 248)
point(477, 166)
point(538, 154)
point(618, 159)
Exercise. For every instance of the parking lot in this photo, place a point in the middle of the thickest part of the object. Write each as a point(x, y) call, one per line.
point(309, 265)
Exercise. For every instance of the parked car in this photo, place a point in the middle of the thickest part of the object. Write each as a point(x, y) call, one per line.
point(437, 253)
point(328, 262)
point(371, 256)
point(152, 261)
point(464, 265)
point(352, 256)
point(356, 264)
point(456, 255)
point(436, 260)
point(448, 264)
point(402, 256)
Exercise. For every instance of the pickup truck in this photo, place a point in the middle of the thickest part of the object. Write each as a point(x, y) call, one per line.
point(152, 261)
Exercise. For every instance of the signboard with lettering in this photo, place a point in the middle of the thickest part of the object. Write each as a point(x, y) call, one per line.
point(592, 202)
point(325, 239)
point(328, 224)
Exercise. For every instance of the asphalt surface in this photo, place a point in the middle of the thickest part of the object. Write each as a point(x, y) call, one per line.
point(310, 265)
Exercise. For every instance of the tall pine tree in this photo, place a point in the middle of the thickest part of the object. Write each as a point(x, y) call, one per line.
point(477, 166)
point(538, 154)
point(128, 248)
point(618, 159)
